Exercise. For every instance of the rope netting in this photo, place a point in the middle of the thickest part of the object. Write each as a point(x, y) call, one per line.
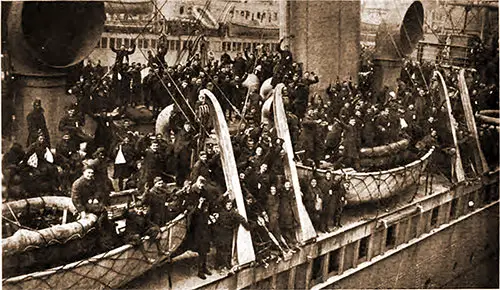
point(373, 186)
point(109, 269)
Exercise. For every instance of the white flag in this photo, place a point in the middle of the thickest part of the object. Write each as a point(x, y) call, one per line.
point(120, 159)
point(48, 156)
point(33, 160)
point(403, 123)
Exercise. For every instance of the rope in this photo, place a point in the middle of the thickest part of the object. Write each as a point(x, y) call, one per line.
point(157, 75)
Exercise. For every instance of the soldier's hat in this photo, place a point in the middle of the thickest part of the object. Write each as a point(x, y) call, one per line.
point(73, 106)
point(90, 164)
point(66, 135)
point(99, 151)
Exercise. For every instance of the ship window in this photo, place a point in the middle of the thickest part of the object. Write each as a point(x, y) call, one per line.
point(132, 42)
point(317, 270)
point(263, 284)
point(118, 42)
point(112, 42)
point(453, 208)
point(98, 44)
point(181, 10)
point(104, 42)
point(349, 255)
point(126, 42)
point(363, 248)
point(434, 216)
point(390, 237)
point(258, 15)
point(178, 45)
point(153, 43)
point(281, 281)
point(145, 43)
point(300, 276)
point(234, 46)
point(139, 43)
point(247, 14)
point(333, 261)
point(242, 13)
point(238, 46)
point(275, 16)
point(263, 15)
point(253, 17)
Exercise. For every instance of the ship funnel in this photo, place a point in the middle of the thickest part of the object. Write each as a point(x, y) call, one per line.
point(52, 34)
point(43, 40)
point(397, 37)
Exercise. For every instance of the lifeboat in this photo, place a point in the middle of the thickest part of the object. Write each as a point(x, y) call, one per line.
point(110, 269)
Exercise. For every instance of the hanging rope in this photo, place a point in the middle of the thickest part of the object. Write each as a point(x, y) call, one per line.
point(159, 77)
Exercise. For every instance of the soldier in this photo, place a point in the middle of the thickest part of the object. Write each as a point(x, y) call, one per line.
point(155, 199)
point(264, 181)
point(45, 178)
point(339, 199)
point(329, 203)
point(124, 164)
point(73, 124)
point(351, 143)
point(272, 210)
point(200, 227)
point(332, 142)
point(201, 167)
point(36, 124)
point(65, 152)
point(122, 54)
point(227, 221)
point(287, 219)
point(89, 197)
point(314, 203)
point(184, 144)
point(153, 164)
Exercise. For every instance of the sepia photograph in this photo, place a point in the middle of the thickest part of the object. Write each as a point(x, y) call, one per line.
point(250, 144)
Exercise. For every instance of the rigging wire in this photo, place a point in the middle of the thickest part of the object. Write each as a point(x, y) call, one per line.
point(113, 66)
point(215, 84)
point(197, 22)
point(158, 76)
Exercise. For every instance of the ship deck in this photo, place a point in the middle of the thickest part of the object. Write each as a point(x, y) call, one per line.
point(182, 271)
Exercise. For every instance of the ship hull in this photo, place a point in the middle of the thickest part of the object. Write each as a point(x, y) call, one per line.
point(446, 239)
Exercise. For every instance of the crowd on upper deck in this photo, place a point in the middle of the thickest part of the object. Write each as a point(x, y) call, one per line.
point(326, 127)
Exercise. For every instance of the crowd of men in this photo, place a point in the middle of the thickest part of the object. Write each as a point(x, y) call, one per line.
point(325, 127)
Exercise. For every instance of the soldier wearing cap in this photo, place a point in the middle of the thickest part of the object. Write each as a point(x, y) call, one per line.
point(227, 219)
point(36, 124)
point(72, 124)
point(201, 167)
point(153, 164)
point(88, 197)
point(183, 145)
point(288, 221)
